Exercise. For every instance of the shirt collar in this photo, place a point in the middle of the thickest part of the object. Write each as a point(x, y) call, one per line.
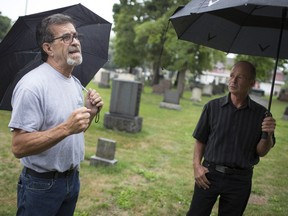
point(226, 100)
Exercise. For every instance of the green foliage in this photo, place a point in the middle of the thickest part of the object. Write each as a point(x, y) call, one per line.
point(5, 25)
point(124, 55)
point(152, 43)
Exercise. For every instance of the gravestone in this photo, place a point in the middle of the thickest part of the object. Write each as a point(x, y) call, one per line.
point(124, 106)
point(162, 86)
point(219, 88)
point(283, 95)
point(171, 100)
point(207, 90)
point(105, 153)
point(105, 80)
point(285, 115)
point(196, 94)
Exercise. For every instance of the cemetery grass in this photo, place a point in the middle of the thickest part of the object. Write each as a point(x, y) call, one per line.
point(154, 175)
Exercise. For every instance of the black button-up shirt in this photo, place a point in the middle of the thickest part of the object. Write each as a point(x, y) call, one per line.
point(230, 134)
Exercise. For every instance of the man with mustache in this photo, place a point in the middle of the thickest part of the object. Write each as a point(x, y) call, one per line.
point(48, 121)
point(231, 135)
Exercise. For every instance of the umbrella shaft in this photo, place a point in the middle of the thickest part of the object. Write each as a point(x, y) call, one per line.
point(284, 13)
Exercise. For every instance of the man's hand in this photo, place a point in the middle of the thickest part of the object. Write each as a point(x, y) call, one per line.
point(200, 177)
point(269, 125)
point(93, 102)
point(78, 121)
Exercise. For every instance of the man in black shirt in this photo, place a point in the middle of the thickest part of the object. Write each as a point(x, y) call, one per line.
point(231, 135)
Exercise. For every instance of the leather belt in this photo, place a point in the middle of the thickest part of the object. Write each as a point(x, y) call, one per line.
point(49, 175)
point(226, 169)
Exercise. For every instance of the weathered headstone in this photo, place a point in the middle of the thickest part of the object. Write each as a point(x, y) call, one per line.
point(171, 100)
point(162, 86)
point(124, 106)
point(207, 90)
point(285, 115)
point(105, 153)
point(283, 95)
point(105, 80)
point(196, 94)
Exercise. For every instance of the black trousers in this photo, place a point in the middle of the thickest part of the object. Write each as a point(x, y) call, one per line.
point(233, 192)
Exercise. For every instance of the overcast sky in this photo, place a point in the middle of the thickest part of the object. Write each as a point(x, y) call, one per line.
point(15, 8)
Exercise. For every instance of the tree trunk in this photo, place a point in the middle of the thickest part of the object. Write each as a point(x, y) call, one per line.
point(181, 82)
point(176, 81)
point(156, 73)
point(130, 70)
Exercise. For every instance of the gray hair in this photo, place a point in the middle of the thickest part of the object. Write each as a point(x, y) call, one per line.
point(44, 33)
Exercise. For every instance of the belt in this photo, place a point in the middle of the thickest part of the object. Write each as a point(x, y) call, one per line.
point(49, 175)
point(226, 169)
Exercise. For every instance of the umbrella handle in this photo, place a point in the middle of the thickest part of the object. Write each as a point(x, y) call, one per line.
point(265, 134)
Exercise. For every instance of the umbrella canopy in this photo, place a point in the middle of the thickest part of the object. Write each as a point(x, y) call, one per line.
point(19, 52)
point(250, 27)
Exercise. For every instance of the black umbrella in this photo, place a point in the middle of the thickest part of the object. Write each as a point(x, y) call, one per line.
point(19, 52)
point(251, 27)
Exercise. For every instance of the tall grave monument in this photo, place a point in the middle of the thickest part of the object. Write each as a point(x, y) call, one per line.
point(124, 106)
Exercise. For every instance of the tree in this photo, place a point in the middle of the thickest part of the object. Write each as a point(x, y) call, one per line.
point(153, 32)
point(161, 47)
point(125, 54)
point(5, 25)
point(150, 37)
point(132, 49)
point(143, 38)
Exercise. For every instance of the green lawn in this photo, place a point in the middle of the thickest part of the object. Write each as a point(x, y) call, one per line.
point(154, 174)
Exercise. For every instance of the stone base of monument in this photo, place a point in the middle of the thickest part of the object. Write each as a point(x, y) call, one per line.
point(98, 161)
point(123, 123)
point(170, 106)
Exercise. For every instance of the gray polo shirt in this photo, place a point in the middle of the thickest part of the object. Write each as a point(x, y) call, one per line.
point(230, 134)
point(43, 99)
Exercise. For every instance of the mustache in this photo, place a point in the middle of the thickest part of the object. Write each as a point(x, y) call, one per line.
point(74, 49)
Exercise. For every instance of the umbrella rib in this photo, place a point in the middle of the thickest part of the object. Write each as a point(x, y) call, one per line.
point(236, 35)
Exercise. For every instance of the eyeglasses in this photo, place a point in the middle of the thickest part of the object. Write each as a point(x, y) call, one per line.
point(67, 38)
